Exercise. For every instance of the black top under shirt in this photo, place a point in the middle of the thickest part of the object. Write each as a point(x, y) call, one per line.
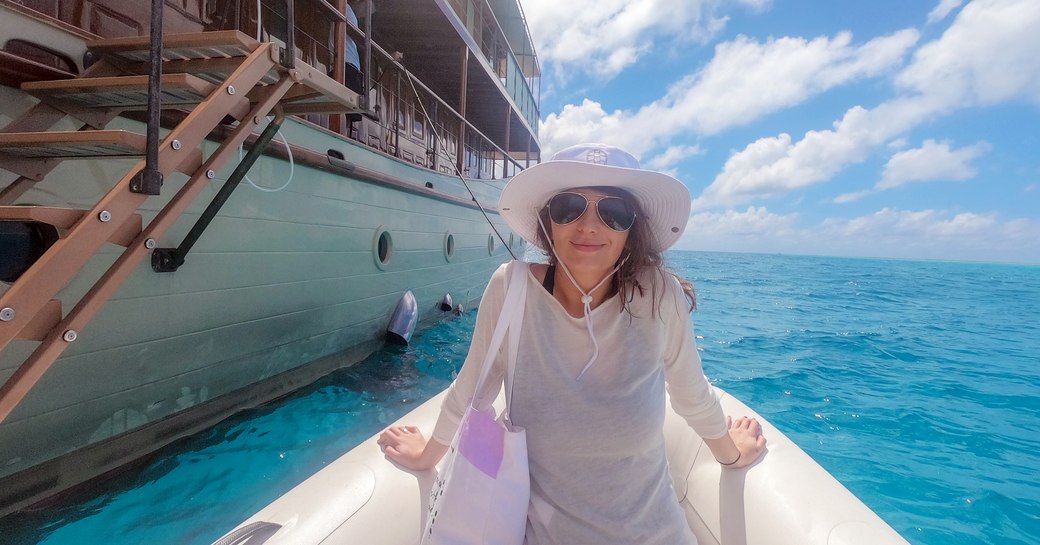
point(550, 279)
point(549, 282)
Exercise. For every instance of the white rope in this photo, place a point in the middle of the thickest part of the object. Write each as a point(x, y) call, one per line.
point(292, 167)
point(586, 298)
point(437, 136)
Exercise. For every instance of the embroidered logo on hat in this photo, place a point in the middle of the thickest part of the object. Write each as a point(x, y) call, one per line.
point(596, 156)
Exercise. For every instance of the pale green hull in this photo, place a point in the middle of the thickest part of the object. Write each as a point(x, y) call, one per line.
point(278, 280)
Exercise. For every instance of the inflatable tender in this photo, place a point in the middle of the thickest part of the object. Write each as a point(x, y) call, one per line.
point(785, 498)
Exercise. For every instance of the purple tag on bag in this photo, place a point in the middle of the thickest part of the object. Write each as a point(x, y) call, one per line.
point(482, 441)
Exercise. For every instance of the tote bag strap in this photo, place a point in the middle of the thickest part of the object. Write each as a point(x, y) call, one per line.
point(509, 319)
point(515, 325)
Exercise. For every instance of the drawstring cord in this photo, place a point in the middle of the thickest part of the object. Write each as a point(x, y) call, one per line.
point(586, 298)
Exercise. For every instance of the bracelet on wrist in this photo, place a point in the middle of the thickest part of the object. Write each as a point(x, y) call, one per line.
point(733, 462)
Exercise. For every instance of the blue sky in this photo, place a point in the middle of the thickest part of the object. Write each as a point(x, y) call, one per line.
point(888, 128)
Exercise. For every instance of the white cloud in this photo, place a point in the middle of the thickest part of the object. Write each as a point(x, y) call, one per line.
point(751, 222)
point(1024, 233)
point(933, 234)
point(774, 166)
point(931, 162)
point(589, 122)
point(890, 225)
point(850, 197)
point(727, 92)
point(602, 37)
point(671, 157)
point(757, 6)
point(988, 55)
point(755, 229)
point(943, 9)
point(913, 234)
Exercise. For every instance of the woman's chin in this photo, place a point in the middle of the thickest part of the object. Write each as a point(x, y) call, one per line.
point(589, 262)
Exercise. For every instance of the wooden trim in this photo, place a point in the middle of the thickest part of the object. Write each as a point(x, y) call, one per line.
point(16, 70)
point(62, 218)
point(66, 218)
point(43, 322)
point(308, 157)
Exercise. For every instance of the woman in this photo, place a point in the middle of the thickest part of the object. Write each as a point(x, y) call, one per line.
point(605, 330)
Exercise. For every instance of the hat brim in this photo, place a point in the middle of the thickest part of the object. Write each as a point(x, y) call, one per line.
point(664, 200)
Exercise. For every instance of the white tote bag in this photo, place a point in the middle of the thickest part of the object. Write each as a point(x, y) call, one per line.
point(482, 492)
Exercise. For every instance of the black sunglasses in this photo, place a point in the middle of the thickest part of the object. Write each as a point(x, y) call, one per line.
point(615, 212)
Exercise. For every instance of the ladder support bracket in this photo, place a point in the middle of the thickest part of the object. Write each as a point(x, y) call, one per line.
point(166, 260)
point(147, 182)
point(170, 259)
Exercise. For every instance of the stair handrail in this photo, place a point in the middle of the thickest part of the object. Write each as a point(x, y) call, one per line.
point(150, 180)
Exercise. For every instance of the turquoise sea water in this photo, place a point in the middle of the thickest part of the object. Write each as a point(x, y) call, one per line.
point(915, 383)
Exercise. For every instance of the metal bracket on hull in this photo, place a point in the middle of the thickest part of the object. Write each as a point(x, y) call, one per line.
point(170, 259)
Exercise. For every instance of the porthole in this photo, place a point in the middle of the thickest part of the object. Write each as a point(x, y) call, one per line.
point(449, 246)
point(382, 247)
point(491, 244)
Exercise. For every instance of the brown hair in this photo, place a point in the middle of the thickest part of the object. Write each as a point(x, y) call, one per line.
point(639, 248)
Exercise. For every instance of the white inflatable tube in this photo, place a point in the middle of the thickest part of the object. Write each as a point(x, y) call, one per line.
point(785, 498)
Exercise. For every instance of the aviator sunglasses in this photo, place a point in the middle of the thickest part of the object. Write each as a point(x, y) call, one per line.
point(615, 212)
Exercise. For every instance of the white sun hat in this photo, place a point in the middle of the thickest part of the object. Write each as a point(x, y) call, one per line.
point(665, 201)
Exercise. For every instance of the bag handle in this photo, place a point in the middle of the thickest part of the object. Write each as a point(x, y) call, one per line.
point(517, 323)
point(510, 319)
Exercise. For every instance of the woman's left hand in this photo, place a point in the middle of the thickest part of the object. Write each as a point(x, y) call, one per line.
point(747, 435)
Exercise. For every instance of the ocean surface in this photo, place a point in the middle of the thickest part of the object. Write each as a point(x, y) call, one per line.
point(915, 383)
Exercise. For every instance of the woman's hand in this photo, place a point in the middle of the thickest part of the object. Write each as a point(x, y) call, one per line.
point(747, 436)
point(405, 446)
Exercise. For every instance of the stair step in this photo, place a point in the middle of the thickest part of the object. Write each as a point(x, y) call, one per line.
point(195, 45)
point(73, 144)
point(65, 218)
point(212, 70)
point(125, 92)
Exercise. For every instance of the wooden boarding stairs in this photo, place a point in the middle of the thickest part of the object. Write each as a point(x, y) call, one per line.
point(206, 77)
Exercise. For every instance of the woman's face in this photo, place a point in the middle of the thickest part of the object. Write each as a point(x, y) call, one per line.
point(586, 244)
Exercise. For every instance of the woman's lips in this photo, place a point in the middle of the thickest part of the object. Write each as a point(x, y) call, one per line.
point(586, 246)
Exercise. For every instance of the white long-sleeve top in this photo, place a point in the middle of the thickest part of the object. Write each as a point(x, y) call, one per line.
point(595, 446)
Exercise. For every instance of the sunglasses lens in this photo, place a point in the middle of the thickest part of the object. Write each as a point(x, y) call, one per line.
point(566, 207)
point(616, 213)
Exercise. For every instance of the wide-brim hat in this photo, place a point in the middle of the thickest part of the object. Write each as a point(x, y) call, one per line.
point(665, 201)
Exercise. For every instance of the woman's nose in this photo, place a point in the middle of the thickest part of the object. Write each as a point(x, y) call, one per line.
point(589, 221)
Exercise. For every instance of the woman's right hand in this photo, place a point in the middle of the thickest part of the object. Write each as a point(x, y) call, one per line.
point(747, 436)
point(405, 445)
